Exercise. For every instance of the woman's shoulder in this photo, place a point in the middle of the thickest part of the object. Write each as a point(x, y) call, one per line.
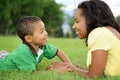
point(105, 32)
point(100, 32)
point(97, 32)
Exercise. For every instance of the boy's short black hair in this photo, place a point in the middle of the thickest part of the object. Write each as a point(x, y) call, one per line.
point(25, 26)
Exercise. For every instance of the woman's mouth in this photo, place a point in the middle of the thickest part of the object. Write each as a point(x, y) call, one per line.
point(77, 32)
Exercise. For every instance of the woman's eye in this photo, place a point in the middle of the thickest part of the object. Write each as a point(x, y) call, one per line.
point(76, 21)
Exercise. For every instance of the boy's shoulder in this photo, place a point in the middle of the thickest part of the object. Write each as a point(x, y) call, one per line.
point(49, 46)
point(49, 51)
point(21, 49)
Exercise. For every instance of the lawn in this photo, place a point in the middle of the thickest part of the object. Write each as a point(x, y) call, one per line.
point(73, 47)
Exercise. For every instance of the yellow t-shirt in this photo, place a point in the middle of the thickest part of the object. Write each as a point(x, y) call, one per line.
point(103, 38)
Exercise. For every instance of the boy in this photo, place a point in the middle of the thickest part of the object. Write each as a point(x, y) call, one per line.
point(33, 48)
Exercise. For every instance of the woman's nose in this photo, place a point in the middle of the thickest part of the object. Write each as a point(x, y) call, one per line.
point(73, 26)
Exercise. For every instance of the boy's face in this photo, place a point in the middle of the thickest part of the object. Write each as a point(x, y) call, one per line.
point(40, 36)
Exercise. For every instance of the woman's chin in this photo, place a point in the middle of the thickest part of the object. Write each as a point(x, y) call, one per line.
point(80, 37)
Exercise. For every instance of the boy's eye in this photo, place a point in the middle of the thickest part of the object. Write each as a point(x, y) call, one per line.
point(42, 31)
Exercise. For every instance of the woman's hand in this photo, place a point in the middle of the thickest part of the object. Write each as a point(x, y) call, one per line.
point(80, 67)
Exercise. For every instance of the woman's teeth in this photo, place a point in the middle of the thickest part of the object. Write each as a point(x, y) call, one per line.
point(77, 32)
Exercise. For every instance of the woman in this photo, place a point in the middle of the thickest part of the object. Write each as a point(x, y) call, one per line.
point(95, 22)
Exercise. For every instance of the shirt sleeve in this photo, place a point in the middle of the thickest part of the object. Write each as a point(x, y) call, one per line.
point(97, 40)
point(49, 51)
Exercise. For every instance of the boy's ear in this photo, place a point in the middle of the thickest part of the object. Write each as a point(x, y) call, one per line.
point(28, 38)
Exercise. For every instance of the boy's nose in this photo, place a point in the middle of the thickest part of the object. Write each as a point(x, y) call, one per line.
point(46, 32)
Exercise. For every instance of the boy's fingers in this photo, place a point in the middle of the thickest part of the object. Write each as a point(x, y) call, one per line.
point(50, 67)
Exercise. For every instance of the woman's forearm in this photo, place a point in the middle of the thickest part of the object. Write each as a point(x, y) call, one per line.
point(83, 72)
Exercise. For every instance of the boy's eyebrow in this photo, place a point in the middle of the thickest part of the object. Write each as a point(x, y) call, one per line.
point(42, 28)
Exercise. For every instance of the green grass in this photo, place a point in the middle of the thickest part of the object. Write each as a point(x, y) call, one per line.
point(9, 43)
point(74, 48)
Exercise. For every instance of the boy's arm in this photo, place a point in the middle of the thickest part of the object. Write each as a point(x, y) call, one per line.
point(51, 51)
point(60, 65)
point(63, 56)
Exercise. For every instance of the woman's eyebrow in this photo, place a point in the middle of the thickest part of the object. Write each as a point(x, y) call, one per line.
point(75, 18)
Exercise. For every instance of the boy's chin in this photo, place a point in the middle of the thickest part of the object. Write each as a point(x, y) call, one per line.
point(44, 43)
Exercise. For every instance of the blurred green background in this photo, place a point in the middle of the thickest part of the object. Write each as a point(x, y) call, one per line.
point(48, 10)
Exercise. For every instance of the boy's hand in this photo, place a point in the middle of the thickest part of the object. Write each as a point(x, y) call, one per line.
point(59, 66)
point(51, 66)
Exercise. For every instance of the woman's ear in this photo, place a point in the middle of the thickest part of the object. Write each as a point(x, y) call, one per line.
point(28, 38)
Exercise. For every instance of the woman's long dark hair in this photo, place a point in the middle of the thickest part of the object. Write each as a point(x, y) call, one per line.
point(98, 14)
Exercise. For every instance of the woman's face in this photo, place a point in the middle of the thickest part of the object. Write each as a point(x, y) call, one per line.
point(80, 26)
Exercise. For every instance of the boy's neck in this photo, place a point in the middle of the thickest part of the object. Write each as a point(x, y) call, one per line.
point(34, 49)
point(31, 47)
